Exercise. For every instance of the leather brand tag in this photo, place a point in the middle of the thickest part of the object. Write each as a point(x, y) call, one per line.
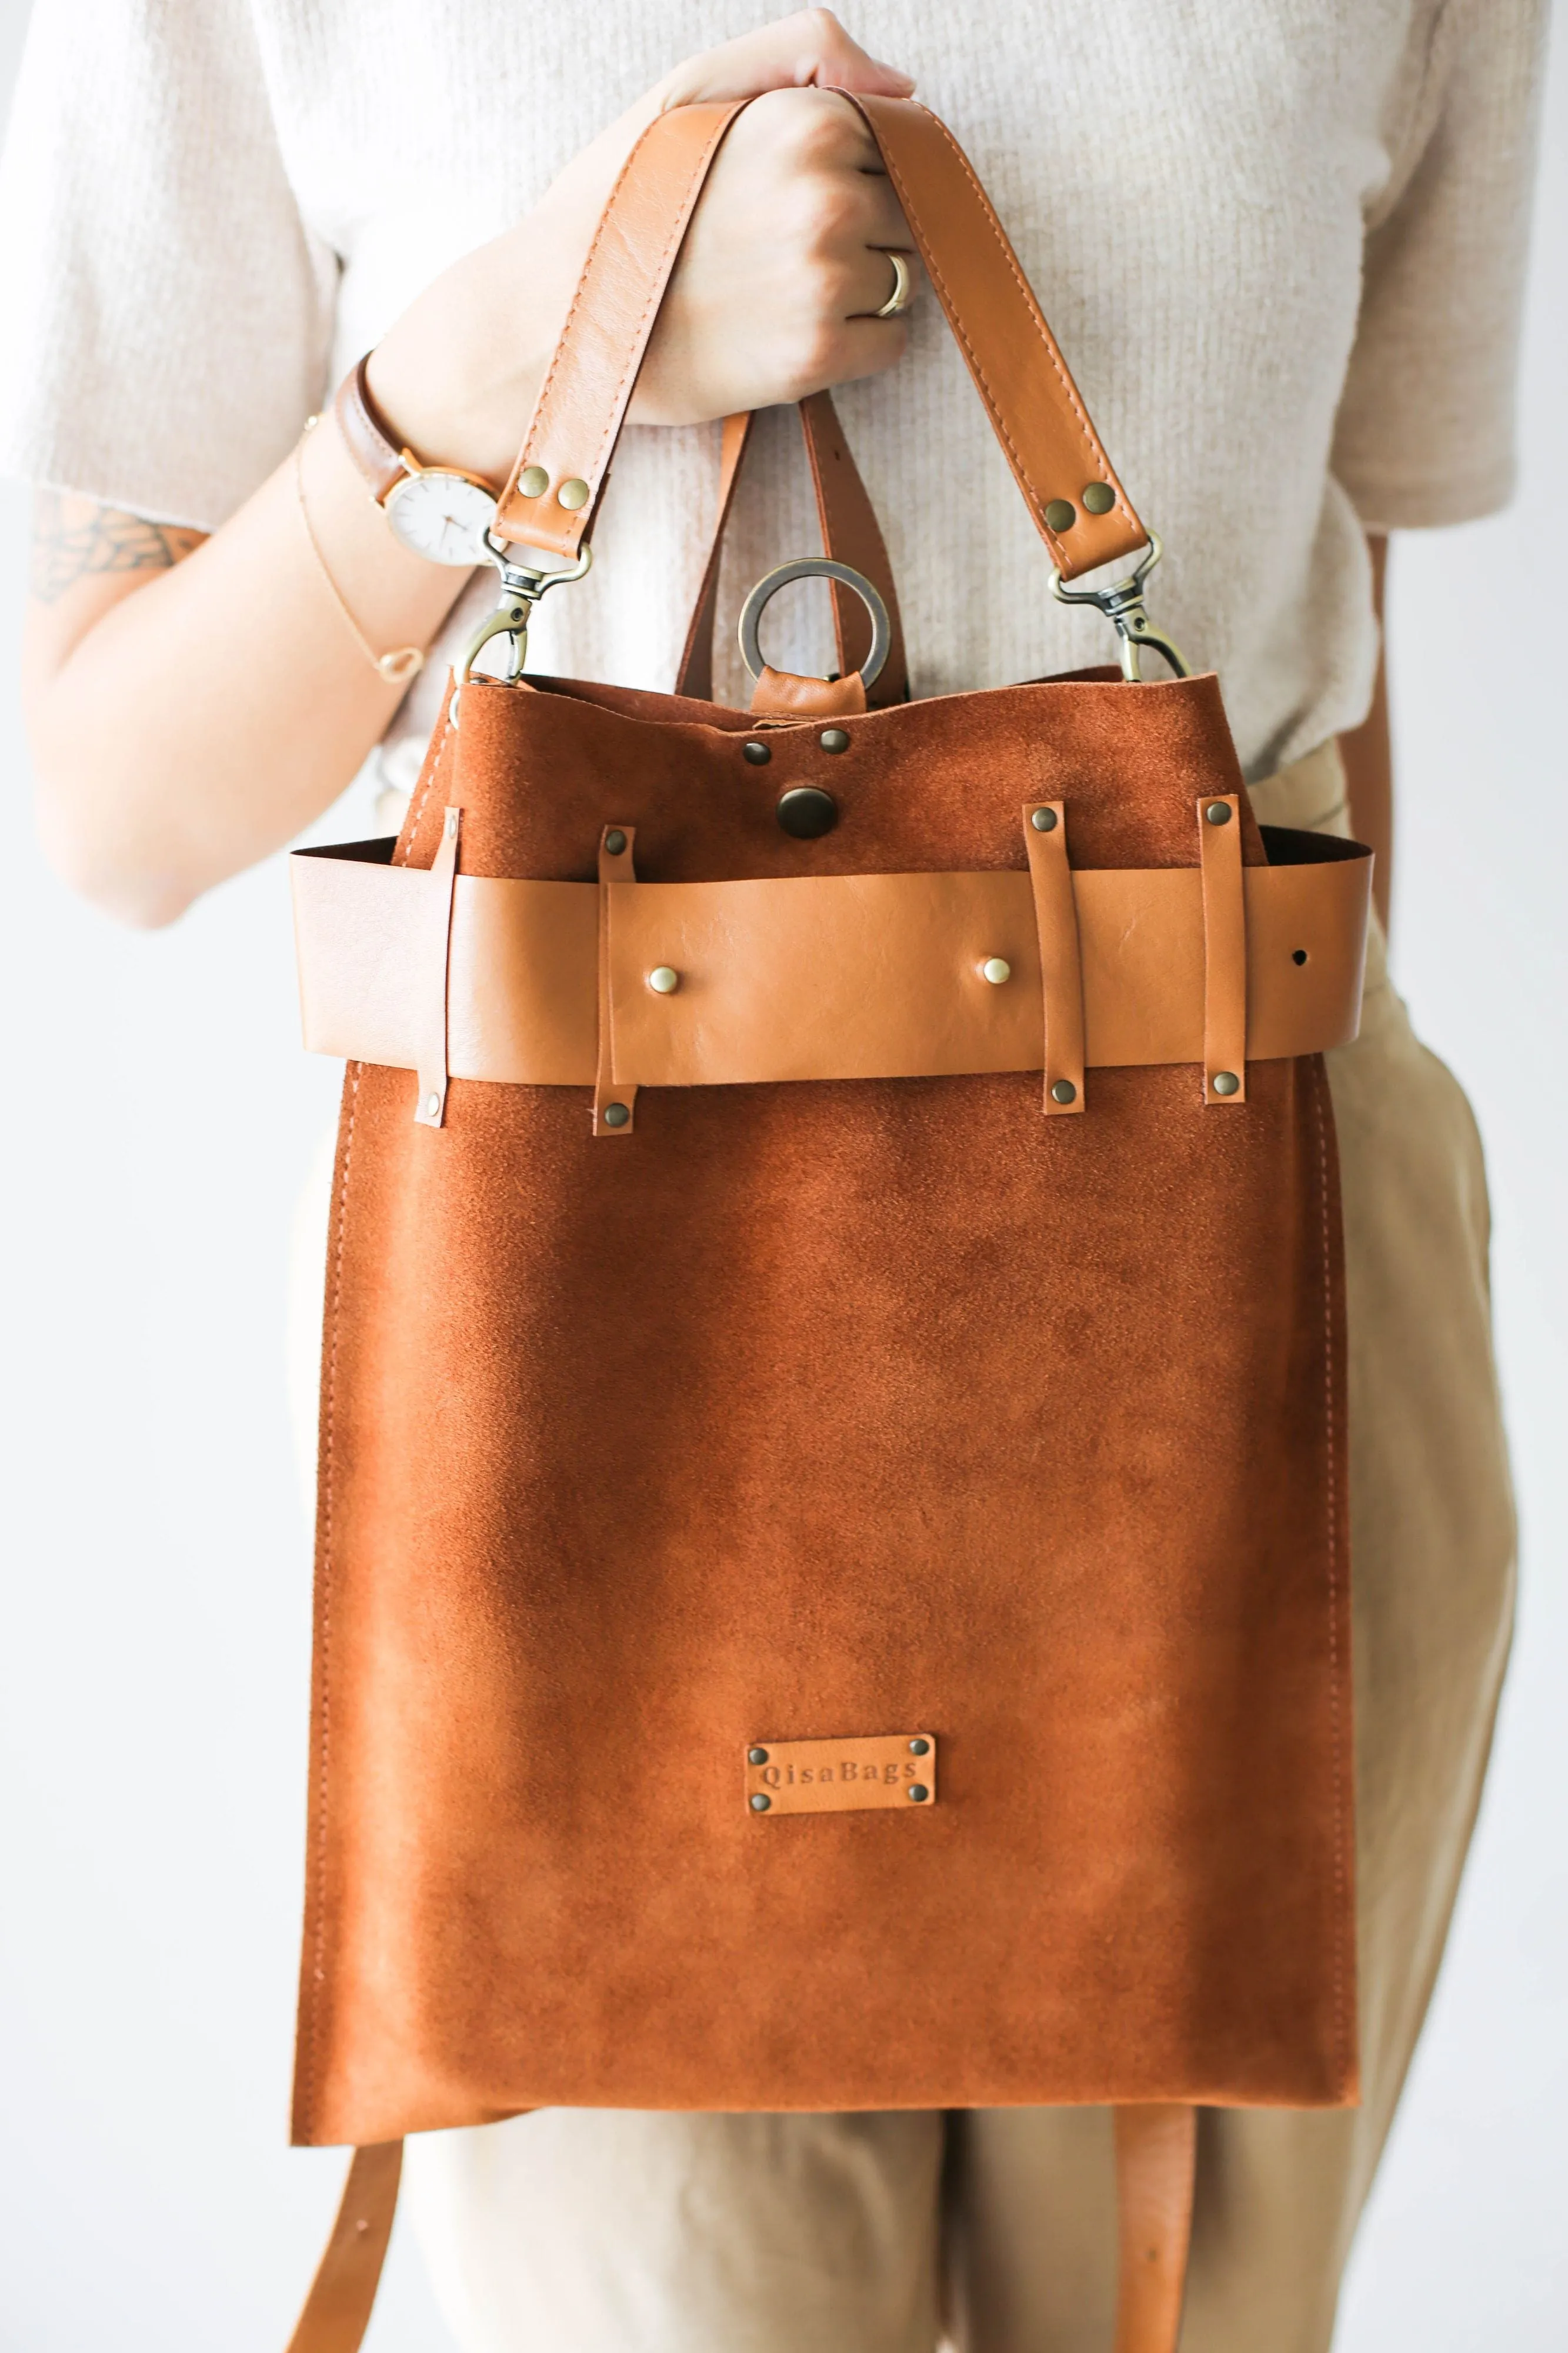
point(842, 1777)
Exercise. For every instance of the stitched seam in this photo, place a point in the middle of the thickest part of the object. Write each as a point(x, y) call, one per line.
point(406, 852)
point(678, 230)
point(1091, 440)
point(1333, 1492)
point(324, 1635)
point(542, 403)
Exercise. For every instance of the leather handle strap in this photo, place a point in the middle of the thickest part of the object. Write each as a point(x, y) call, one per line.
point(1156, 2150)
point(1067, 481)
point(849, 532)
point(1080, 507)
point(554, 490)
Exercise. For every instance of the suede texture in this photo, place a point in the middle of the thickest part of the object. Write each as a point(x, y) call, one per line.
point(823, 1410)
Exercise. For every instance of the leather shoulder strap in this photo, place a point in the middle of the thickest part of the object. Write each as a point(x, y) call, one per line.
point(342, 2295)
point(1156, 2151)
point(1067, 481)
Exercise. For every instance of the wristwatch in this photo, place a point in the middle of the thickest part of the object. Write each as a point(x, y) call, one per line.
point(440, 513)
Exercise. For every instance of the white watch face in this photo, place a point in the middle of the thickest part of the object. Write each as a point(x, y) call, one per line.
point(442, 516)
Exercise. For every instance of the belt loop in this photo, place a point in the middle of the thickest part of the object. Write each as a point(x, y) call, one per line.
point(615, 1108)
point(1061, 970)
point(430, 1108)
point(1224, 949)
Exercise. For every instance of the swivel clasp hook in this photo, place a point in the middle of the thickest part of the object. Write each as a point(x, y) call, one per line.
point(523, 585)
point(1123, 605)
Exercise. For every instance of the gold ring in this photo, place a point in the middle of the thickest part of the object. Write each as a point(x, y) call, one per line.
point(903, 287)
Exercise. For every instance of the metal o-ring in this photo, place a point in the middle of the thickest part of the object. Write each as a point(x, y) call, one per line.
point(816, 567)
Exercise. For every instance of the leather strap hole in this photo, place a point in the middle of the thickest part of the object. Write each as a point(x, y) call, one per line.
point(1297, 955)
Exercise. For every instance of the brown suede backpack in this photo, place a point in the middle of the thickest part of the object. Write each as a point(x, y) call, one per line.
point(833, 1392)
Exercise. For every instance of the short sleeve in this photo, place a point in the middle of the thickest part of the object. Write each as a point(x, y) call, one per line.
point(1426, 428)
point(167, 312)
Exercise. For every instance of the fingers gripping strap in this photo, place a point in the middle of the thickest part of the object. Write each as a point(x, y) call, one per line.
point(1156, 2157)
point(554, 487)
point(338, 2308)
point(1033, 403)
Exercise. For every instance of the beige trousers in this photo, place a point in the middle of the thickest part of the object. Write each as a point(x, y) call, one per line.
point(588, 2231)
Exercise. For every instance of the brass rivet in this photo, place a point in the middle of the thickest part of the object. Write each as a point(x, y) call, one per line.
point(759, 755)
point(761, 1803)
point(533, 481)
point(997, 969)
point(615, 1115)
point(1044, 820)
point(919, 1793)
point(1218, 812)
point(664, 979)
point(1063, 1091)
point(1226, 1083)
point(833, 739)
point(919, 1748)
point(615, 841)
point(756, 1756)
point(1099, 498)
point(572, 493)
point(432, 1105)
point(1060, 515)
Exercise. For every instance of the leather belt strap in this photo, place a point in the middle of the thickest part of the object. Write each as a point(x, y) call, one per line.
point(827, 976)
point(1155, 2153)
point(1034, 405)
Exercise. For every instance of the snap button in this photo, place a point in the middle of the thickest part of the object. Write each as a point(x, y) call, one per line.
point(664, 979)
point(997, 969)
point(806, 812)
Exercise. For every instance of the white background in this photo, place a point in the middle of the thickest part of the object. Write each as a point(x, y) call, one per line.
point(156, 1118)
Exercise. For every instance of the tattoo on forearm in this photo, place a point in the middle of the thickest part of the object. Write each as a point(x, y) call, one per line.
point(73, 537)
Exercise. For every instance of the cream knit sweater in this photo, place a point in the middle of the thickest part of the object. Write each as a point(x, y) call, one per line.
point(1280, 242)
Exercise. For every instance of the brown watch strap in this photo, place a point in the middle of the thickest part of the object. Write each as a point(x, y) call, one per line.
point(1155, 2155)
point(849, 532)
point(378, 460)
point(1035, 407)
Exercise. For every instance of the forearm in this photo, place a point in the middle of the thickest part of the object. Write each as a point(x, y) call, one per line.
point(198, 719)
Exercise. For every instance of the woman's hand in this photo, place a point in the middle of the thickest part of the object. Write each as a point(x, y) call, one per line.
point(776, 286)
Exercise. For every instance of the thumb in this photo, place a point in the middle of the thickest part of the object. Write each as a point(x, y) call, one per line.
point(800, 52)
